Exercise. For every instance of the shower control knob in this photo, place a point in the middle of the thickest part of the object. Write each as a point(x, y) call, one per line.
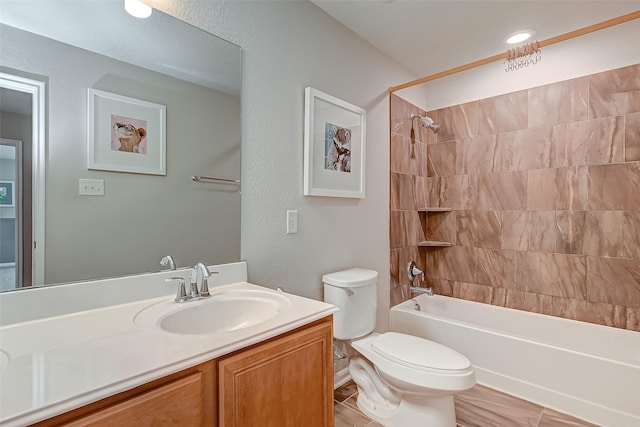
point(413, 271)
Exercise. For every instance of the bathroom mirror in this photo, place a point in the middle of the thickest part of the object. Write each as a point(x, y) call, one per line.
point(74, 46)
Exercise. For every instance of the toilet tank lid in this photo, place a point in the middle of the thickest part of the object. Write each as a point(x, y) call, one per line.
point(352, 278)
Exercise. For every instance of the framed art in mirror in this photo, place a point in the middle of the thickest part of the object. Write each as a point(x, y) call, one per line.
point(125, 134)
point(334, 146)
point(6, 194)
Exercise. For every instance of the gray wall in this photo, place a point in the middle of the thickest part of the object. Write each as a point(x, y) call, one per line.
point(288, 45)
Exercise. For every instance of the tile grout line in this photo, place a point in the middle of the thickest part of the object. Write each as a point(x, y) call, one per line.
point(347, 398)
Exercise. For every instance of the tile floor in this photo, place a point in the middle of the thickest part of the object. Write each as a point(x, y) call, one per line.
point(347, 413)
point(478, 407)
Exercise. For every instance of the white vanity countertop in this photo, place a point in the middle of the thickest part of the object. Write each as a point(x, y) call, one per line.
point(59, 363)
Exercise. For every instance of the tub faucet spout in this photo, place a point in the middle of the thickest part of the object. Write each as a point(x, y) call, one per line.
point(421, 290)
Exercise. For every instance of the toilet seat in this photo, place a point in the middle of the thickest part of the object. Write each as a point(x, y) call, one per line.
point(415, 364)
point(418, 353)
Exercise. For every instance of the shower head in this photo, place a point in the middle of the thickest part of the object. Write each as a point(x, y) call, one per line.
point(426, 122)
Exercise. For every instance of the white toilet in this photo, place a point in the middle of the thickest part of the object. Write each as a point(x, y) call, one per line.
point(403, 381)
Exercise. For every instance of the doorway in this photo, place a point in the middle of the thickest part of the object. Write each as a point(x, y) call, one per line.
point(22, 148)
point(11, 271)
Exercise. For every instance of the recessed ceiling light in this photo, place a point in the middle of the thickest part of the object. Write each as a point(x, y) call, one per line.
point(137, 9)
point(520, 36)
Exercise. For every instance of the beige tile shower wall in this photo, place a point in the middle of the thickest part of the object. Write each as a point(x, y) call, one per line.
point(544, 186)
point(408, 192)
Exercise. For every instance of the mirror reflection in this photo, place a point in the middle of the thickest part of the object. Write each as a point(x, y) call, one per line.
point(83, 194)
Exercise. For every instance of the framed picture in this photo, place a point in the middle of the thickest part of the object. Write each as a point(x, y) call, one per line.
point(125, 134)
point(7, 198)
point(334, 146)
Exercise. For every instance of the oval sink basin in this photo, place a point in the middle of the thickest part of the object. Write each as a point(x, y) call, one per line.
point(222, 312)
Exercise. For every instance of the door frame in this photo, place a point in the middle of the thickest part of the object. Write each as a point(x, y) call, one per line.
point(37, 91)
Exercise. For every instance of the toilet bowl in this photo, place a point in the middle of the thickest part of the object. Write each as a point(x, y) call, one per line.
point(421, 375)
point(402, 380)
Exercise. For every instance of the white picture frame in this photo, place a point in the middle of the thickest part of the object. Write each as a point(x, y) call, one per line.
point(334, 146)
point(125, 134)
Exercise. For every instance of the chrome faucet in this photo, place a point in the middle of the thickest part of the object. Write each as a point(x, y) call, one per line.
point(412, 272)
point(195, 292)
point(181, 295)
point(168, 260)
point(203, 291)
point(421, 290)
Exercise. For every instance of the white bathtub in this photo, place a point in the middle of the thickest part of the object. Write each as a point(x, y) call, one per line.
point(585, 370)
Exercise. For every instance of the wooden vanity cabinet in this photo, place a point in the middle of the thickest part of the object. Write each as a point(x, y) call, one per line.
point(180, 399)
point(286, 381)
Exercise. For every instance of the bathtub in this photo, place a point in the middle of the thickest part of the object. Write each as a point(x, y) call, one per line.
point(582, 369)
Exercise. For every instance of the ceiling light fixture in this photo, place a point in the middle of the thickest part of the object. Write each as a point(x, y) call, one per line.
point(137, 9)
point(520, 36)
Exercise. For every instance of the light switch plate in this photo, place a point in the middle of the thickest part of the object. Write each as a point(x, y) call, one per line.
point(292, 222)
point(91, 187)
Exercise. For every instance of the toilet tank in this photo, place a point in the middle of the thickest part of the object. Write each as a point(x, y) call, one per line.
point(354, 293)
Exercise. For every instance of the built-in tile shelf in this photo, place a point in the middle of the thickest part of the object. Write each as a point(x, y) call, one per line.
point(434, 244)
point(434, 210)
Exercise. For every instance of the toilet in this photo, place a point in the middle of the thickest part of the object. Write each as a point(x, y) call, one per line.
point(403, 381)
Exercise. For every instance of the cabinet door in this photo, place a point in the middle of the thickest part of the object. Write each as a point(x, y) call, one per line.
point(178, 403)
point(286, 382)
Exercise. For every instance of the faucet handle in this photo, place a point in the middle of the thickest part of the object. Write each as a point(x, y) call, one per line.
point(204, 287)
point(181, 294)
point(413, 271)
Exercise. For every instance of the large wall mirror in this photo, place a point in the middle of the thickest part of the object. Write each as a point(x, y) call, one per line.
point(172, 89)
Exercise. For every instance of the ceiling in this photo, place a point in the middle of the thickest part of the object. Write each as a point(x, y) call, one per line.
point(428, 36)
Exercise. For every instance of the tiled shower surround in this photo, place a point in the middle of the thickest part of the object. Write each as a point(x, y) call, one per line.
point(544, 187)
